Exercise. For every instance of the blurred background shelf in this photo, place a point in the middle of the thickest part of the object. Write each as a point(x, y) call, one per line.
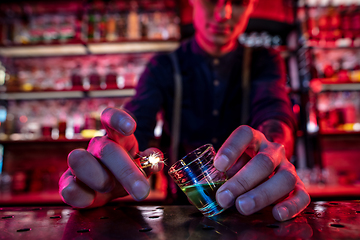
point(67, 94)
point(43, 50)
point(132, 47)
point(89, 48)
point(339, 86)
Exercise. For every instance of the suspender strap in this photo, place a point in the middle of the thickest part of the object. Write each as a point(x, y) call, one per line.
point(176, 121)
point(246, 85)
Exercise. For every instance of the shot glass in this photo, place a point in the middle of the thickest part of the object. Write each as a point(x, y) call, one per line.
point(197, 177)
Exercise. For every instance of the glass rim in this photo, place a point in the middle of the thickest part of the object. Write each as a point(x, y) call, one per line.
point(208, 146)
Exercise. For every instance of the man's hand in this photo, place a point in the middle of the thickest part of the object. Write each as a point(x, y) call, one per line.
point(260, 175)
point(106, 170)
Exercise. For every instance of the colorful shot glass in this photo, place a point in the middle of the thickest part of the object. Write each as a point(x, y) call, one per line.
point(197, 177)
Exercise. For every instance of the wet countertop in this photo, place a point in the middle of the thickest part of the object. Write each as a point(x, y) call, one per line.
point(320, 220)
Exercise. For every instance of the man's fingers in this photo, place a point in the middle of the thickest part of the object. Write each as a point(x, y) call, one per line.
point(269, 191)
point(249, 176)
point(73, 193)
point(118, 120)
point(239, 140)
point(122, 166)
point(238, 165)
point(88, 170)
point(298, 200)
point(120, 127)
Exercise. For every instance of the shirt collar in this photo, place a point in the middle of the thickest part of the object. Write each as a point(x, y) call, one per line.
point(227, 58)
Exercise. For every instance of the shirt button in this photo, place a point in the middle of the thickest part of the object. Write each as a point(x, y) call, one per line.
point(216, 61)
point(214, 140)
point(216, 83)
point(215, 112)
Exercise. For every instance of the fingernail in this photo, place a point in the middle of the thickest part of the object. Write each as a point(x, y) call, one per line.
point(283, 213)
point(140, 190)
point(225, 198)
point(126, 125)
point(246, 205)
point(221, 163)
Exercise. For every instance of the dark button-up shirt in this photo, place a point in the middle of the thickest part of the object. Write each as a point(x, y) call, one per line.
point(211, 96)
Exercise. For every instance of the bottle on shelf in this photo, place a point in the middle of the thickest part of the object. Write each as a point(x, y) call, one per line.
point(111, 77)
point(93, 76)
point(110, 26)
point(67, 28)
point(77, 77)
point(36, 29)
point(133, 22)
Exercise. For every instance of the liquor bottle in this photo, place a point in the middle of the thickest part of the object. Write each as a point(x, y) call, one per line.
point(343, 74)
point(346, 23)
point(122, 26)
point(144, 21)
point(94, 76)
point(76, 77)
point(9, 27)
point(91, 24)
point(36, 29)
point(173, 27)
point(51, 31)
point(111, 17)
point(356, 22)
point(334, 24)
point(111, 34)
point(111, 77)
point(120, 79)
point(22, 31)
point(102, 27)
point(133, 23)
point(312, 24)
point(130, 75)
point(323, 24)
point(62, 124)
point(66, 27)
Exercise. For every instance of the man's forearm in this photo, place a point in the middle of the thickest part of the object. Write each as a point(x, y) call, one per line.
point(279, 132)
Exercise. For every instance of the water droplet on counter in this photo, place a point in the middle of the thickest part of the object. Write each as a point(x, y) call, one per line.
point(337, 225)
point(272, 226)
point(146, 229)
point(208, 227)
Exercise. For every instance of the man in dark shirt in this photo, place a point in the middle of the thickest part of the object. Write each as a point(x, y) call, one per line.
point(211, 95)
point(254, 157)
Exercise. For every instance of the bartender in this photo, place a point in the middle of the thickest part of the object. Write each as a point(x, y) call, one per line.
point(254, 154)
